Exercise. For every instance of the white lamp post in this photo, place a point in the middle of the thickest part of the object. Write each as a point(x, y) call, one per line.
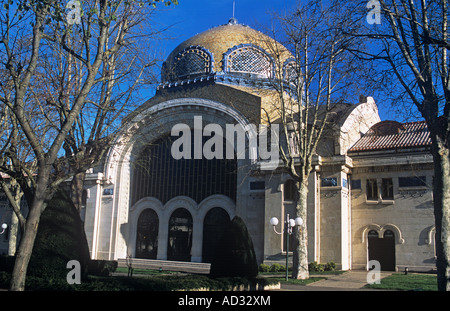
point(4, 226)
point(288, 228)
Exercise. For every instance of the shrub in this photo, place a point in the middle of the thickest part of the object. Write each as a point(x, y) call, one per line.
point(264, 268)
point(315, 267)
point(330, 266)
point(276, 267)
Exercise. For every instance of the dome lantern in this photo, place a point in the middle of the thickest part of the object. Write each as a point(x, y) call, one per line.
point(233, 21)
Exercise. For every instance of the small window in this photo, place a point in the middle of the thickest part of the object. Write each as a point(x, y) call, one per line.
point(289, 190)
point(329, 182)
point(413, 181)
point(109, 191)
point(84, 197)
point(387, 189)
point(344, 183)
point(372, 189)
point(257, 185)
point(356, 184)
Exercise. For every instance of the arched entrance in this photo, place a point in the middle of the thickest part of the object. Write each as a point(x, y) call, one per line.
point(180, 235)
point(147, 235)
point(382, 249)
point(216, 220)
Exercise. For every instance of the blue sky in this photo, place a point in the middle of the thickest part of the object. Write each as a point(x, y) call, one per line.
point(191, 17)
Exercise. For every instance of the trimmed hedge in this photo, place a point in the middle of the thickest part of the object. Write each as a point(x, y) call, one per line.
point(318, 267)
point(60, 238)
point(312, 267)
point(235, 255)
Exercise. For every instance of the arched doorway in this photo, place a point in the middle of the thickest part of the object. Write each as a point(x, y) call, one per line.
point(382, 249)
point(180, 235)
point(147, 235)
point(214, 225)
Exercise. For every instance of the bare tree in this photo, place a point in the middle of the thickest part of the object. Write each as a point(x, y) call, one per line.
point(62, 70)
point(308, 86)
point(123, 76)
point(410, 42)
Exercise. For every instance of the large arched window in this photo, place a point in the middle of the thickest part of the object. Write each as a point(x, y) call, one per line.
point(180, 235)
point(147, 235)
point(248, 58)
point(157, 174)
point(215, 223)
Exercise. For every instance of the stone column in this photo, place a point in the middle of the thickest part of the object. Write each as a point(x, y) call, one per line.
point(163, 235)
point(197, 240)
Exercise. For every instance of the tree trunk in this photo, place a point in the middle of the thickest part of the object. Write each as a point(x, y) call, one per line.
point(441, 198)
point(23, 253)
point(36, 208)
point(13, 235)
point(77, 186)
point(300, 255)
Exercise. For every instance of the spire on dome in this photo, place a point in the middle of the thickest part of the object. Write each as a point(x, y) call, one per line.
point(233, 20)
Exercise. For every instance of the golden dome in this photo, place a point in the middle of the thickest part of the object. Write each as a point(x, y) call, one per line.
point(212, 51)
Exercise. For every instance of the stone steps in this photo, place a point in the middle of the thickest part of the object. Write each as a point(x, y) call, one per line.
point(166, 265)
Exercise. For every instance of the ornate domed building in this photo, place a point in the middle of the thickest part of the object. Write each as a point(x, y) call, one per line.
point(160, 207)
point(145, 202)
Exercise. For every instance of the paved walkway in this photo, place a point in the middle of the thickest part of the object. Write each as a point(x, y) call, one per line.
point(348, 281)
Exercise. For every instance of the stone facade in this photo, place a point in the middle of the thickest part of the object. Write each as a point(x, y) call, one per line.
point(408, 214)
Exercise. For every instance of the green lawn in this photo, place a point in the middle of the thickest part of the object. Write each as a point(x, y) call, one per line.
point(312, 279)
point(412, 281)
point(397, 281)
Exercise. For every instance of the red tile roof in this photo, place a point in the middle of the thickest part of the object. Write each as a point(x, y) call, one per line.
point(393, 135)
